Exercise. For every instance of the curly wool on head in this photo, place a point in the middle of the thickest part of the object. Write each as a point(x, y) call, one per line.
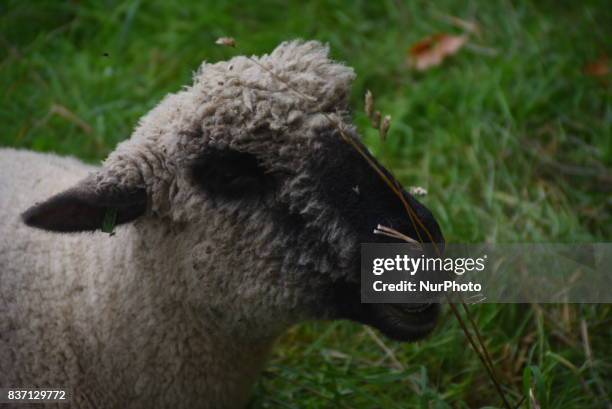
point(244, 104)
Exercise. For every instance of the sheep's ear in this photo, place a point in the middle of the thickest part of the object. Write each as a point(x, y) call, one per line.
point(87, 207)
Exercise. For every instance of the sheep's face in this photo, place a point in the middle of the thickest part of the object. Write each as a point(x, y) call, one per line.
point(361, 200)
point(270, 202)
point(294, 220)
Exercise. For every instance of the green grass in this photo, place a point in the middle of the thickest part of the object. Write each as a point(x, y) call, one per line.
point(511, 139)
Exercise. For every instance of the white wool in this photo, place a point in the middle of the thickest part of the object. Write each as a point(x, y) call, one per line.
point(128, 320)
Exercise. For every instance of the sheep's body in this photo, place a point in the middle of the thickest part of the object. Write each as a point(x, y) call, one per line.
point(100, 313)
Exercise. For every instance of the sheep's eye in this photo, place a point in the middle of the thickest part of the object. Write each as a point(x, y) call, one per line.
point(231, 174)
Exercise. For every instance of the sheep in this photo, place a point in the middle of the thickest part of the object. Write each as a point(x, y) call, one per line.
point(238, 210)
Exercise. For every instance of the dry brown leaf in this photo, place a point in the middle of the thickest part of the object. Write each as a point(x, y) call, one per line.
point(431, 51)
point(597, 68)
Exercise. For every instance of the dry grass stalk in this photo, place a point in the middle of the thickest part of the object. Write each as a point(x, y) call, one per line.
point(468, 26)
point(379, 123)
point(588, 352)
point(390, 354)
point(532, 400)
point(369, 103)
point(389, 232)
point(62, 111)
point(384, 127)
point(375, 120)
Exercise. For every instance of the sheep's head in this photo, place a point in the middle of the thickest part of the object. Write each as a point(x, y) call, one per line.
point(249, 164)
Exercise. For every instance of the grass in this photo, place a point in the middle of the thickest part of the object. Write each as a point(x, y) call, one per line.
point(510, 138)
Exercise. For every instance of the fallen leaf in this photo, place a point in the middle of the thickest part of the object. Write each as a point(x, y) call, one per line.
point(597, 68)
point(226, 41)
point(431, 51)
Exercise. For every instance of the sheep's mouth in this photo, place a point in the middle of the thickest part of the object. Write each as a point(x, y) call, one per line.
point(402, 322)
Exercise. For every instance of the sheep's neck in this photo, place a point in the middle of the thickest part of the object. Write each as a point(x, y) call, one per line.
point(148, 342)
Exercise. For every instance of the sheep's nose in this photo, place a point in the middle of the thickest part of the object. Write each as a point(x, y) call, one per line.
point(411, 219)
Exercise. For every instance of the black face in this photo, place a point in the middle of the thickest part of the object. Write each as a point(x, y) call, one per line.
point(346, 182)
point(231, 175)
point(350, 184)
point(364, 200)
